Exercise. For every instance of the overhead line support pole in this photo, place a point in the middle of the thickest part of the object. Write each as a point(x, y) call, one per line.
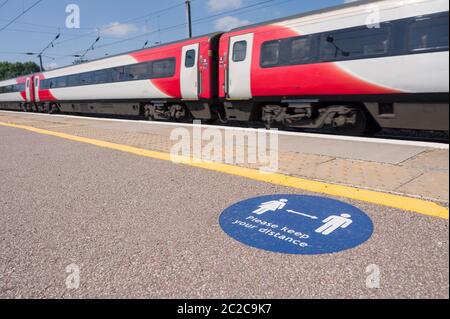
point(189, 17)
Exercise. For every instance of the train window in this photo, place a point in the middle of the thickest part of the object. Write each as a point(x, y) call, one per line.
point(137, 71)
point(301, 50)
point(127, 74)
point(163, 68)
point(270, 54)
point(361, 42)
point(85, 78)
point(100, 77)
point(239, 51)
point(429, 33)
point(74, 80)
point(117, 74)
point(12, 88)
point(190, 59)
point(61, 82)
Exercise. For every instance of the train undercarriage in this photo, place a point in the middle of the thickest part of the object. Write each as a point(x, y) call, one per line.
point(338, 118)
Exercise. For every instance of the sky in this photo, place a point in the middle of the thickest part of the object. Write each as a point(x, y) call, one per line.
point(28, 26)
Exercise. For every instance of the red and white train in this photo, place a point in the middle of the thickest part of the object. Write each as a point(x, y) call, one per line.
point(358, 66)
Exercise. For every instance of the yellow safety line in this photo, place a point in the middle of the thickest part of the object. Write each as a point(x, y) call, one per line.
point(385, 199)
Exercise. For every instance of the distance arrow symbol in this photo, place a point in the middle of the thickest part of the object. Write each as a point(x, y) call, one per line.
point(301, 214)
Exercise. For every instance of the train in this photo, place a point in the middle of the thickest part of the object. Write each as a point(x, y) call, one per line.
point(355, 68)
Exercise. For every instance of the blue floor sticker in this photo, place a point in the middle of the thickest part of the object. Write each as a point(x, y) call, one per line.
point(297, 224)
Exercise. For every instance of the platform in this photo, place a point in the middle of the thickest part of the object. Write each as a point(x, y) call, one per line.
point(141, 226)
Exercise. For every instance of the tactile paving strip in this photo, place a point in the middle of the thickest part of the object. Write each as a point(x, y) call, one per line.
point(425, 175)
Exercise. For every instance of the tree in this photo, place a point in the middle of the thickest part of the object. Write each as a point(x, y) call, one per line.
point(12, 70)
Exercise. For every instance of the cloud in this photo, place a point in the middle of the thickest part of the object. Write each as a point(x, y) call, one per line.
point(118, 30)
point(218, 5)
point(229, 22)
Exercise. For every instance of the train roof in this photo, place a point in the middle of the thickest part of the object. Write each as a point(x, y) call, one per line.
point(208, 35)
point(307, 14)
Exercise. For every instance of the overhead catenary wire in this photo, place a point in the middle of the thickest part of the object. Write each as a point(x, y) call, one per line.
point(158, 12)
point(20, 15)
point(95, 31)
point(44, 26)
point(182, 25)
point(196, 21)
point(239, 11)
point(4, 3)
point(47, 32)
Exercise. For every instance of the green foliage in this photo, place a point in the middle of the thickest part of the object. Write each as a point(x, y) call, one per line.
point(12, 70)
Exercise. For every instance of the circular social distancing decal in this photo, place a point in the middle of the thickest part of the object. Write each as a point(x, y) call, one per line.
point(297, 224)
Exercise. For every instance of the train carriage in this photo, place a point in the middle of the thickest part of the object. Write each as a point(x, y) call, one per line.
point(383, 63)
point(16, 94)
point(173, 81)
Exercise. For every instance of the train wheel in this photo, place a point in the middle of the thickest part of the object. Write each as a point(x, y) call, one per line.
point(358, 127)
point(180, 113)
point(148, 115)
point(53, 109)
point(187, 118)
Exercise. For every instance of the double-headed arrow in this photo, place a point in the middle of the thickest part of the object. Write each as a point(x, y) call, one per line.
point(301, 214)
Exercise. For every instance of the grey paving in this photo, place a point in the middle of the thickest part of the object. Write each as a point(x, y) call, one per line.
point(373, 152)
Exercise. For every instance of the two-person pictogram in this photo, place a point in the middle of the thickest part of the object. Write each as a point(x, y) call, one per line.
point(330, 224)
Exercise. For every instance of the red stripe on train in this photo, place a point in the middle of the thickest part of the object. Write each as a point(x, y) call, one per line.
point(46, 95)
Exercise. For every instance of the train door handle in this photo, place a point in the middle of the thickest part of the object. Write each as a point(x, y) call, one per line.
point(227, 82)
point(199, 84)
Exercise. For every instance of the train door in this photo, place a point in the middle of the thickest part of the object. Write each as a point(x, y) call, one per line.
point(239, 66)
point(36, 88)
point(189, 75)
point(28, 89)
